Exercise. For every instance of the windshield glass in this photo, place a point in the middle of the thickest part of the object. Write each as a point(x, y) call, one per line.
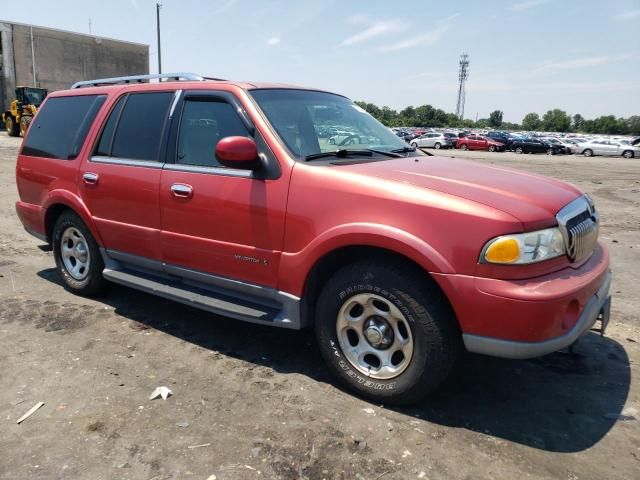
point(34, 96)
point(316, 122)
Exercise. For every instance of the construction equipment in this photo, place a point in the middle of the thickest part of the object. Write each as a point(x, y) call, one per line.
point(17, 119)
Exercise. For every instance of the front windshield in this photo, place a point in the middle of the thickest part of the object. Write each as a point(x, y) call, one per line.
point(34, 96)
point(312, 122)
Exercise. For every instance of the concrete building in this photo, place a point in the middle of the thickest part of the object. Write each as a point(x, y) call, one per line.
point(55, 59)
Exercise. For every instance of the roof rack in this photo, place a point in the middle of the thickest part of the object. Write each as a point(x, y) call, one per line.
point(141, 78)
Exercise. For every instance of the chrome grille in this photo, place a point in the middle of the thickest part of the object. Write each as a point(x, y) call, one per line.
point(578, 223)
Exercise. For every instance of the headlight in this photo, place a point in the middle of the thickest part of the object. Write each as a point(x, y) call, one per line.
point(524, 248)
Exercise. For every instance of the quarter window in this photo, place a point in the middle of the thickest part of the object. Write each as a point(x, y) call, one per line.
point(140, 127)
point(61, 126)
point(204, 123)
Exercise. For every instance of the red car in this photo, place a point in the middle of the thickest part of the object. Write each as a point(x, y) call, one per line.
point(222, 195)
point(478, 142)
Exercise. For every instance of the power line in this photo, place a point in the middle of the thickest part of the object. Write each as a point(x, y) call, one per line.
point(463, 74)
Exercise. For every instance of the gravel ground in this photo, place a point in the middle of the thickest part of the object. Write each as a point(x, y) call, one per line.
point(251, 402)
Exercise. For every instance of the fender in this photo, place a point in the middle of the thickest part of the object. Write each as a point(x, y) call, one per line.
point(297, 265)
point(75, 203)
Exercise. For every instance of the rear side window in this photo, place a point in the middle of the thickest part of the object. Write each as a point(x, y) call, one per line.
point(140, 126)
point(61, 126)
point(106, 139)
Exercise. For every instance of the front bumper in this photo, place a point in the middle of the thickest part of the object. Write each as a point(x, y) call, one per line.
point(599, 303)
point(529, 317)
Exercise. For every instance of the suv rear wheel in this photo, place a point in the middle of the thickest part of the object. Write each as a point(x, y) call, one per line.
point(385, 332)
point(77, 255)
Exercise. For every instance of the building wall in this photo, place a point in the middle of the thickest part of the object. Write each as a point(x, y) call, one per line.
point(63, 58)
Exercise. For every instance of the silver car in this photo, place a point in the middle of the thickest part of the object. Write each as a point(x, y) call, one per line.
point(607, 147)
point(433, 140)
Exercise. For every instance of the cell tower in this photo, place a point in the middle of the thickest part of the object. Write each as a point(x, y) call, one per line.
point(463, 74)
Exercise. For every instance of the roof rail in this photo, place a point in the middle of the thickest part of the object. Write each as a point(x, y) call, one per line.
point(139, 79)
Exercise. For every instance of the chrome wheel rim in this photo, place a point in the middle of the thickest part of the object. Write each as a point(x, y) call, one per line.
point(74, 252)
point(374, 336)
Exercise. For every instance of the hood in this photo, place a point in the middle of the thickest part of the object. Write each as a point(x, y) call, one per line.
point(533, 199)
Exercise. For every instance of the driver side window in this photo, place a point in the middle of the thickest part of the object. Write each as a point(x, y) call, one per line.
point(203, 124)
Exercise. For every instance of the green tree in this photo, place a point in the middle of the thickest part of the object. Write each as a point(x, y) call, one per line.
point(556, 120)
point(531, 121)
point(495, 118)
point(633, 125)
point(578, 121)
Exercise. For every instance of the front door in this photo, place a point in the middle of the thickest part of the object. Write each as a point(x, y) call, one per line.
point(119, 182)
point(219, 220)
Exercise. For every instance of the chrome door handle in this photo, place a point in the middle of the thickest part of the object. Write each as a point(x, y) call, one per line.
point(90, 178)
point(181, 190)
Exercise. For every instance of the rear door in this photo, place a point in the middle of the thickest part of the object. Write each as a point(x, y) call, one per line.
point(119, 182)
point(218, 220)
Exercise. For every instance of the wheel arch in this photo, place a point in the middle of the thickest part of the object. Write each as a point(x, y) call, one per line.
point(327, 264)
point(60, 201)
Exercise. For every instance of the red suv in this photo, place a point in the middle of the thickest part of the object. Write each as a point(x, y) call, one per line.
point(223, 195)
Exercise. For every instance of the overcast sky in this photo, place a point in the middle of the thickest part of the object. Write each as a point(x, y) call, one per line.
point(526, 55)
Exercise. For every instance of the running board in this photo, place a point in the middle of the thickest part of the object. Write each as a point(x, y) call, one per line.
point(200, 298)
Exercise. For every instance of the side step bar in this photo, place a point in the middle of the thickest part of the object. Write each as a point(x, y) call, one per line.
point(201, 298)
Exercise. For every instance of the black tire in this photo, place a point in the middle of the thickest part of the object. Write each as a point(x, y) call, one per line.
point(13, 129)
point(464, 146)
point(588, 153)
point(25, 121)
point(519, 150)
point(433, 329)
point(93, 283)
point(492, 148)
point(437, 146)
point(414, 144)
point(628, 154)
point(551, 151)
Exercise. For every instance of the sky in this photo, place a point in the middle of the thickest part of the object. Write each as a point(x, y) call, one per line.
point(582, 56)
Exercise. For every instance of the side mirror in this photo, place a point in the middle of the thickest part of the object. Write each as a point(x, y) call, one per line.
point(238, 152)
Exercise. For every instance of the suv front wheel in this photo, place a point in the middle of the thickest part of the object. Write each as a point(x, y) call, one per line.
point(77, 255)
point(385, 332)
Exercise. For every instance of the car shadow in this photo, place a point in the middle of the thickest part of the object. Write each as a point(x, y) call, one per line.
point(562, 402)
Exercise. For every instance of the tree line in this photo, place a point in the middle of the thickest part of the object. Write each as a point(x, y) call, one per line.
point(555, 120)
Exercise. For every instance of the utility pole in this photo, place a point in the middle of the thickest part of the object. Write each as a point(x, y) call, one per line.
point(463, 74)
point(158, 7)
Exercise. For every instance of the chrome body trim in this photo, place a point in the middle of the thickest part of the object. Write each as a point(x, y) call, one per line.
point(519, 350)
point(287, 305)
point(130, 162)
point(140, 78)
point(174, 104)
point(229, 172)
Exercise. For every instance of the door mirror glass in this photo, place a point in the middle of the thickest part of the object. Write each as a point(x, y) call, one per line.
point(238, 152)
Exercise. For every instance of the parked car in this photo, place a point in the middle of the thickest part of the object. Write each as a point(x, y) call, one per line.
point(608, 148)
point(535, 145)
point(565, 146)
point(477, 142)
point(219, 195)
point(433, 140)
point(503, 137)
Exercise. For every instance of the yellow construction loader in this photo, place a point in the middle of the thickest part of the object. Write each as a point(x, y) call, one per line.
point(21, 111)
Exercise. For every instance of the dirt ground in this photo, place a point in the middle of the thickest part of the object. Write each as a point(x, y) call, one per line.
point(251, 402)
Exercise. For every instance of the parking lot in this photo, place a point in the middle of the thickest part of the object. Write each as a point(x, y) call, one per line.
point(251, 402)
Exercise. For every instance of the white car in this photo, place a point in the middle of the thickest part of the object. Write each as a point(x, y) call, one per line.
point(607, 147)
point(434, 140)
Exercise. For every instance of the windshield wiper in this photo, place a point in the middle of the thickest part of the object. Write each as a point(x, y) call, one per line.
point(411, 149)
point(388, 153)
point(403, 150)
point(342, 153)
